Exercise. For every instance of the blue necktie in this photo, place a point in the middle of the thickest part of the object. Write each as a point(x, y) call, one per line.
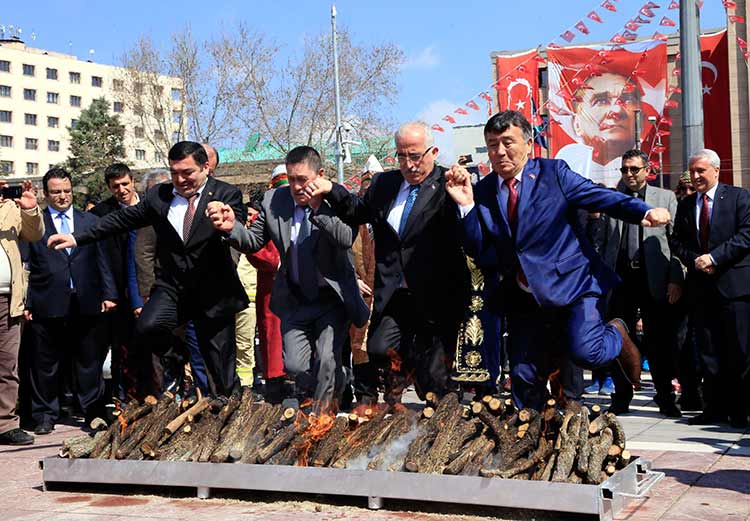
point(65, 229)
point(410, 199)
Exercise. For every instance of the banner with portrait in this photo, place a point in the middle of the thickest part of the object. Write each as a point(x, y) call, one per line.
point(595, 93)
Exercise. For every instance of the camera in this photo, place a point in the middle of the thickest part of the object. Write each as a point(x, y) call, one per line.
point(11, 192)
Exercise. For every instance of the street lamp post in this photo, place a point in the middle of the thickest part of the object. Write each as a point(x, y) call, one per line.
point(337, 94)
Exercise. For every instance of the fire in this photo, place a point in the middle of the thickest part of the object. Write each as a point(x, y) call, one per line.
point(317, 428)
point(396, 360)
point(121, 419)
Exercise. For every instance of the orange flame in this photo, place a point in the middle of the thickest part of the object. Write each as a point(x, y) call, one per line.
point(317, 428)
point(396, 360)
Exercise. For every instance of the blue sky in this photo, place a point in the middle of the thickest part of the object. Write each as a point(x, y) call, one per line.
point(447, 43)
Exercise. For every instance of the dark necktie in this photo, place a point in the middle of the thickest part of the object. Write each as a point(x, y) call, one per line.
point(633, 242)
point(704, 225)
point(513, 219)
point(410, 199)
point(306, 269)
point(187, 222)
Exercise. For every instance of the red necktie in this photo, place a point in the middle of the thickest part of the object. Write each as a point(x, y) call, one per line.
point(187, 223)
point(513, 220)
point(704, 226)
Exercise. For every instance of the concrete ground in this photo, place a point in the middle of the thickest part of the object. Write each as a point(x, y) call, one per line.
point(707, 478)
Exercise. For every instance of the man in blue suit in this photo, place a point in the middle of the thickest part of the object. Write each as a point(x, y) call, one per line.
point(551, 277)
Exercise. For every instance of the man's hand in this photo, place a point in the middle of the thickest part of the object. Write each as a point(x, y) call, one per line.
point(108, 306)
point(137, 312)
point(656, 217)
point(364, 288)
point(318, 187)
point(60, 241)
point(674, 292)
point(458, 185)
point(704, 264)
point(27, 314)
point(28, 195)
point(221, 215)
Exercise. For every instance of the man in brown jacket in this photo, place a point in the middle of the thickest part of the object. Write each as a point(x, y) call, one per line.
point(20, 219)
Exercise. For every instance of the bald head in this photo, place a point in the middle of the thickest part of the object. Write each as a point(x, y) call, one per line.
point(213, 158)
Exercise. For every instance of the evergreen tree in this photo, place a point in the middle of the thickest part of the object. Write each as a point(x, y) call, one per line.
point(95, 143)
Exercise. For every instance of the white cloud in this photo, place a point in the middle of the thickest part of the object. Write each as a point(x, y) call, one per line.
point(425, 59)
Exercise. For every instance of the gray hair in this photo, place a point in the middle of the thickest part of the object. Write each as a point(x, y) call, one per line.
point(707, 153)
point(429, 138)
point(154, 177)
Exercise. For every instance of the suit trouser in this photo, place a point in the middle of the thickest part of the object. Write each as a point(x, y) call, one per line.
point(722, 329)
point(424, 347)
point(319, 327)
point(541, 338)
point(134, 373)
point(165, 311)
point(79, 335)
point(10, 339)
point(659, 335)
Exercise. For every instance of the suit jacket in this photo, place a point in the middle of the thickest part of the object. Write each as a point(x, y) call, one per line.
point(662, 267)
point(50, 272)
point(428, 257)
point(558, 261)
point(728, 242)
point(200, 269)
point(332, 242)
point(116, 246)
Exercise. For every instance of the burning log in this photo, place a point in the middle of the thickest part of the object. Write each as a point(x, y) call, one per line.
point(448, 443)
point(137, 431)
point(448, 409)
point(329, 445)
point(281, 440)
point(395, 443)
point(360, 440)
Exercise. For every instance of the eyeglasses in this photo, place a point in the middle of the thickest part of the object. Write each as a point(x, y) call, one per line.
point(414, 158)
point(631, 169)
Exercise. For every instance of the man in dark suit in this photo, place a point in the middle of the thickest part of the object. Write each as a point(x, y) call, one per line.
point(315, 293)
point(712, 238)
point(421, 278)
point(652, 283)
point(552, 277)
point(68, 290)
point(196, 279)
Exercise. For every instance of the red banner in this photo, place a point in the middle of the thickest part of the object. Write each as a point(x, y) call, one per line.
point(595, 92)
point(518, 84)
point(716, 118)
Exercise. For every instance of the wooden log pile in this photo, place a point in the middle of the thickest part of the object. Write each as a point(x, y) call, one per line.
point(487, 438)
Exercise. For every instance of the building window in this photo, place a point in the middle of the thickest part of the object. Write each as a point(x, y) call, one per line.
point(53, 146)
point(51, 74)
point(176, 94)
point(543, 78)
point(32, 168)
point(73, 123)
point(159, 113)
point(75, 101)
point(29, 119)
point(6, 141)
point(53, 97)
point(139, 132)
point(158, 135)
point(118, 85)
point(28, 94)
point(53, 122)
point(4, 66)
point(158, 90)
point(117, 106)
point(32, 143)
point(6, 116)
point(158, 157)
point(75, 77)
point(140, 154)
point(6, 167)
point(28, 70)
point(96, 81)
point(4, 91)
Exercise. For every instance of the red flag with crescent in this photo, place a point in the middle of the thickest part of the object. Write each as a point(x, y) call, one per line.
point(593, 15)
point(715, 77)
point(521, 86)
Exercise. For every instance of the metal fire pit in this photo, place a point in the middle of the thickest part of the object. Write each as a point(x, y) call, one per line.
point(605, 500)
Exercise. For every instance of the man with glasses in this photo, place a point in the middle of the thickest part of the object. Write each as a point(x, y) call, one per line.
point(421, 278)
point(651, 283)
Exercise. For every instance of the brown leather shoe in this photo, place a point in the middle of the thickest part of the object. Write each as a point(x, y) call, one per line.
point(629, 357)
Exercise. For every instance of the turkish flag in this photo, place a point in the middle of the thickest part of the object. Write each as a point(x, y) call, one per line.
point(449, 119)
point(461, 111)
point(521, 84)
point(716, 119)
point(667, 22)
point(593, 15)
point(568, 36)
point(472, 105)
point(595, 93)
point(674, 5)
point(609, 6)
point(582, 27)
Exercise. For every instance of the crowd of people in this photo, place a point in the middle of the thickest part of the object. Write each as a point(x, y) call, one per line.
point(182, 284)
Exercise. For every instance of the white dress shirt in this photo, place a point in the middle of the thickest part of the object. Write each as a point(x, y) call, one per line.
point(178, 209)
point(397, 210)
point(56, 218)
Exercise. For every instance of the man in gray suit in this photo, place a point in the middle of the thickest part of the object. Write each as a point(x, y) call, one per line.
point(315, 293)
point(652, 283)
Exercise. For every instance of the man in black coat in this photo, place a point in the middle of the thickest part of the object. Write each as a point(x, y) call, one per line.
point(68, 290)
point(421, 278)
point(712, 239)
point(196, 279)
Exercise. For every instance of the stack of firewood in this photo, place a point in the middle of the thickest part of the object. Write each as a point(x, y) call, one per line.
point(488, 438)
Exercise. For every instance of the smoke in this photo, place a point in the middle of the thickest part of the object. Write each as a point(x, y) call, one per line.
point(393, 452)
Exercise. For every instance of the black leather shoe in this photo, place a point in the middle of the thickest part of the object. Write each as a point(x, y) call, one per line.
point(44, 427)
point(620, 403)
point(16, 437)
point(669, 409)
point(691, 403)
